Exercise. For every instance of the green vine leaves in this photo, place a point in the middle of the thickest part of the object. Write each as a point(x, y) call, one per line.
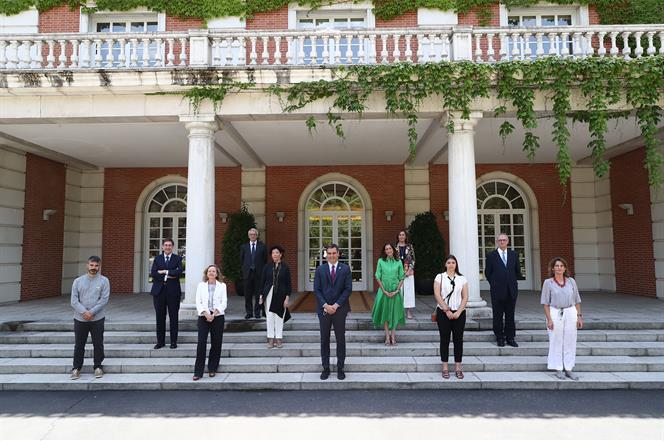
point(633, 86)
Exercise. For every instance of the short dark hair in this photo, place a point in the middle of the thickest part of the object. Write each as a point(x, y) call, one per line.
point(95, 259)
point(332, 245)
point(278, 248)
point(168, 240)
point(383, 254)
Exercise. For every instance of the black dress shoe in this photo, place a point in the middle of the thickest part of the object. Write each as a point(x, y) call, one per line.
point(174, 345)
point(511, 342)
point(248, 316)
point(341, 375)
point(500, 342)
point(325, 374)
point(159, 345)
point(258, 316)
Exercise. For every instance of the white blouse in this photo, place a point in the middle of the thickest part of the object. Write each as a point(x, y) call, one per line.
point(454, 301)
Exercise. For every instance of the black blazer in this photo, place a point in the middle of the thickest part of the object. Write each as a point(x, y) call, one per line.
point(280, 291)
point(331, 293)
point(260, 256)
point(503, 279)
point(172, 285)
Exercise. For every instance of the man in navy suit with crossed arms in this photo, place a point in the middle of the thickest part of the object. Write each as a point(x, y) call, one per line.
point(332, 287)
point(166, 292)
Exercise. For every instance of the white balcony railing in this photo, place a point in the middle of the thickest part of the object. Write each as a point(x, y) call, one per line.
point(208, 48)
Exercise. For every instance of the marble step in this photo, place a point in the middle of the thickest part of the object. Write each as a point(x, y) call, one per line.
point(303, 336)
point(312, 364)
point(354, 380)
point(353, 349)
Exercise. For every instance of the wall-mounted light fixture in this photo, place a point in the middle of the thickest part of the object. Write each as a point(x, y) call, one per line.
point(629, 208)
point(224, 217)
point(388, 215)
point(280, 216)
point(46, 214)
point(446, 215)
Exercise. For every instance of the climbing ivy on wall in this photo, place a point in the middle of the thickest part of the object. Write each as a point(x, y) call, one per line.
point(636, 85)
point(611, 11)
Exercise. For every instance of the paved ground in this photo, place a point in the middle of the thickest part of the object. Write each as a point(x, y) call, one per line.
point(138, 307)
point(334, 414)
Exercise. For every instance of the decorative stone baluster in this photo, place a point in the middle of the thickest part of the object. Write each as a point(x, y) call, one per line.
point(396, 54)
point(419, 54)
point(122, 56)
point(515, 45)
point(216, 56)
point(626, 49)
point(564, 50)
point(553, 44)
point(159, 47)
point(97, 58)
point(527, 51)
point(265, 55)
point(300, 49)
point(478, 48)
point(277, 49)
point(36, 60)
point(313, 52)
point(62, 58)
point(504, 44)
point(85, 53)
point(614, 44)
point(145, 62)
point(326, 51)
point(372, 49)
point(361, 56)
point(110, 56)
point(491, 54)
point(601, 49)
point(408, 54)
point(638, 51)
point(133, 55)
point(576, 45)
point(539, 51)
point(431, 39)
point(73, 58)
point(3, 54)
point(231, 44)
point(252, 55)
point(242, 51)
point(50, 58)
point(24, 54)
point(444, 41)
point(289, 50)
point(383, 49)
point(183, 51)
point(171, 52)
point(349, 49)
point(651, 44)
point(337, 49)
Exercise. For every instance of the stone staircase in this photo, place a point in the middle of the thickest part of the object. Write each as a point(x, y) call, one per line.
point(610, 355)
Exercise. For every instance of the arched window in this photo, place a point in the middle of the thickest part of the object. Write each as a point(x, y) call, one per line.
point(166, 218)
point(502, 207)
point(335, 213)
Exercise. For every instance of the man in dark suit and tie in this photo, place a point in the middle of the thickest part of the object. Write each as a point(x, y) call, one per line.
point(166, 292)
point(253, 255)
point(502, 271)
point(332, 287)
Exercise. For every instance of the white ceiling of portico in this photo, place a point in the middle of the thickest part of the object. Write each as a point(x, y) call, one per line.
point(288, 142)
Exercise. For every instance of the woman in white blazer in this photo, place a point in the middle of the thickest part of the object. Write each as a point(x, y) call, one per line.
point(211, 301)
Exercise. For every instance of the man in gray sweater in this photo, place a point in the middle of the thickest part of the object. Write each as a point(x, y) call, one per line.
point(89, 296)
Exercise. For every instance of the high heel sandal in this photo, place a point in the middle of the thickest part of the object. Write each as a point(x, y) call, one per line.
point(446, 374)
point(394, 341)
point(459, 374)
point(387, 341)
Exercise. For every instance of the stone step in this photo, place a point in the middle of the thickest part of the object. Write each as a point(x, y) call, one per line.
point(354, 380)
point(312, 364)
point(302, 336)
point(353, 349)
point(309, 322)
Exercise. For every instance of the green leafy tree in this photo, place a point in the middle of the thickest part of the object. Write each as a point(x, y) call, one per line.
point(236, 234)
point(429, 245)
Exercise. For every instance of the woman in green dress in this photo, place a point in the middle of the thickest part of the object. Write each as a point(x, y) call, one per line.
point(388, 307)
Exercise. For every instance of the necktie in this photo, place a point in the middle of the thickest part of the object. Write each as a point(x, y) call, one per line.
point(168, 258)
point(333, 273)
point(504, 256)
point(253, 249)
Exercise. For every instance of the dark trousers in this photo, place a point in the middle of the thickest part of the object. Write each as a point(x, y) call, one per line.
point(216, 330)
point(455, 327)
point(81, 331)
point(251, 294)
point(503, 307)
point(338, 321)
point(164, 302)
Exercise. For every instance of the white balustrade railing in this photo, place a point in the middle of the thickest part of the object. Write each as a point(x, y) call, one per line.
point(210, 48)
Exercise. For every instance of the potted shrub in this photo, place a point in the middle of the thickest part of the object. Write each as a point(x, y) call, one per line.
point(236, 234)
point(429, 251)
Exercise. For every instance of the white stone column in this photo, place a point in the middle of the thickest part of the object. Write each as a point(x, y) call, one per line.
point(200, 204)
point(464, 243)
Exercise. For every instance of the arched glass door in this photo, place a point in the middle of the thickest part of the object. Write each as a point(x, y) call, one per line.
point(501, 207)
point(335, 214)
point(166, 218)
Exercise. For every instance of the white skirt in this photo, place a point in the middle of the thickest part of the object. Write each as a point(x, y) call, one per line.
point(409, 292)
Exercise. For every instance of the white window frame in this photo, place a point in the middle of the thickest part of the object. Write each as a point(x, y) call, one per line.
point(579, 13)
point(88, 22)
point(295, 11)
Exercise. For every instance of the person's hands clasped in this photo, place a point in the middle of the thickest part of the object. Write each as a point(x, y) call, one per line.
point(329, 309)
point(88, 315)
point(450, 314)
point(260, 300)
point(209, 317)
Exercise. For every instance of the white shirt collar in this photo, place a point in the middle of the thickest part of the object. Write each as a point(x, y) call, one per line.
point(167, 255)
point(330, 265)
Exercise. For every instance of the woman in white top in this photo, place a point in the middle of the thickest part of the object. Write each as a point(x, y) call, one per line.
point(562, 308)
point(211, 301)
point(450, 290)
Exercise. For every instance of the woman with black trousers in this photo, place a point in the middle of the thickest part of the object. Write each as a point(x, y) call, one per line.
point(275, 291)
point(211, 301)
point(450, 290)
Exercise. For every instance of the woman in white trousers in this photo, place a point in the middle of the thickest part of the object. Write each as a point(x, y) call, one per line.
point(406, 254)
point(562, 308)
point(275, 291)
